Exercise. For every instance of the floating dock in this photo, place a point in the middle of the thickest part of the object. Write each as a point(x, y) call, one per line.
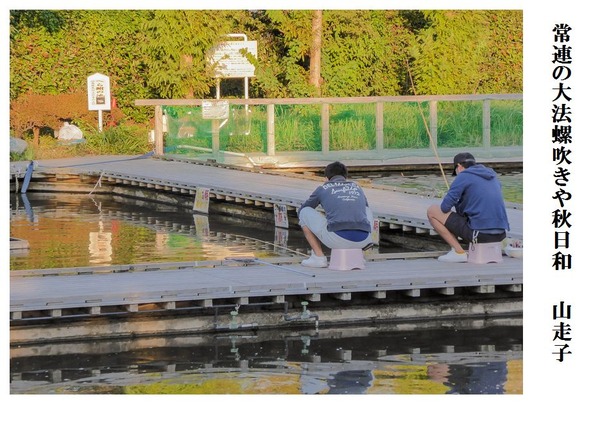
point(215, 296)
point(153, 178)
point(166, 298)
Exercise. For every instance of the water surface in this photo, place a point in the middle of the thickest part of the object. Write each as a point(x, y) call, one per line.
point(449, 357)
point(69, 230)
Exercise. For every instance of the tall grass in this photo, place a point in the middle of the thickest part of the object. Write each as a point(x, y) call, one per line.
point(117, 140)
point(27, 155)
point(460, 124)
point(297, 128)
point(351, 127)
point(403, 126)
point(507, 123)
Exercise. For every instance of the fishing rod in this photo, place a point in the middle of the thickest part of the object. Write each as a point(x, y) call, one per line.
point(431, 141)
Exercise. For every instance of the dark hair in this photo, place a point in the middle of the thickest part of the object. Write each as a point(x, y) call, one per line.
point(336, 169)
point(465, 159)
point(468, 163)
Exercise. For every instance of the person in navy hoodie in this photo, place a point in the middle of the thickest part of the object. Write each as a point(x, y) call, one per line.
point(473, 209)
point(347, 221)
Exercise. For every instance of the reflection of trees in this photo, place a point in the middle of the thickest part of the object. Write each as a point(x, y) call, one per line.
point(383, 359)
point(72, 230)
point(223, 383)
point(51, 241)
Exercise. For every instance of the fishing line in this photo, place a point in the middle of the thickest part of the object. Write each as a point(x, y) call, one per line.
point(431, 141)
point(250, 260)
point(275, 245)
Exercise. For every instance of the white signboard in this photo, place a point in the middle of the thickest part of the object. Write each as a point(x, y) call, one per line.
point(230, 59)
point(375, 232)
point(281, 237)
point(281, 216)
point(215, 109)
point(98, 92)
point(202, 200)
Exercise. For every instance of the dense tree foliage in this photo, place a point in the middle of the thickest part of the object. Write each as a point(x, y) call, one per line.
point(162, 54)
point(56, 60)
point(469, 52)
point(363, 52)
point(176, 43)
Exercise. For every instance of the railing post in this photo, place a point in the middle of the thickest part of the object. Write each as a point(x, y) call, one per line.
point(487, 124)
point(325, 128)
point(271, 129)
point(158, 130)
point(215, 137)
point(433, 122)
point(379, 138)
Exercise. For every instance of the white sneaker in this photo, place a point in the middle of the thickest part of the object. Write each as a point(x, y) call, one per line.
point(453, 257)
point(315, 261)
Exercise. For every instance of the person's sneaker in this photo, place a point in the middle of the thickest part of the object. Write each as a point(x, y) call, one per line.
point(453, 257)
point(315, 261)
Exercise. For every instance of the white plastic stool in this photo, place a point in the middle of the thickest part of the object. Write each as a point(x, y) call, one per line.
point(346, 260)
point(482, 253)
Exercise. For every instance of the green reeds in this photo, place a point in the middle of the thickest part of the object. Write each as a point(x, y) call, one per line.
point(352, 127)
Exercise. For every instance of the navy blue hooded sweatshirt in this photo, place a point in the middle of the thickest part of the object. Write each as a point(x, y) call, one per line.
point(477, 194)
point(344, 202)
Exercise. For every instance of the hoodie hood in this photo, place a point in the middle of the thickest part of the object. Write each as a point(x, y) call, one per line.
point(481, 171)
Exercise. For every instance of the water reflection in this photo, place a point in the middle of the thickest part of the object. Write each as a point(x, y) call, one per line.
point(78, 230)
point(70, 230)
point(67, 230)
point(460, 357)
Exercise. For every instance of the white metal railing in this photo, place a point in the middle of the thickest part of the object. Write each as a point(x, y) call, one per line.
point(431, 100)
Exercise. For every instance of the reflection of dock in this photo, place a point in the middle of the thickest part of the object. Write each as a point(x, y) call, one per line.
point(384, 353)
point(314, 369)
point(18, 244)
point(200, 228)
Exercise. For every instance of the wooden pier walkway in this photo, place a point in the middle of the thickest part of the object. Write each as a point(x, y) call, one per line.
point(393, 209)
point(134, 291)
point(204, 288)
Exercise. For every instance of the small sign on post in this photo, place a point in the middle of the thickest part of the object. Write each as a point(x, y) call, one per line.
point(215, 110)
point(281, 216)
point(98, 95)
point(281, 237)
point(202, 200)
point(233, 59)
point(375, 232)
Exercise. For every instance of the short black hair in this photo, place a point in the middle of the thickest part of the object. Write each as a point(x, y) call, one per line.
point(465, 159)
point(336, 169)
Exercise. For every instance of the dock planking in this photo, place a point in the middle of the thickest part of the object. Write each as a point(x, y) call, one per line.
point(262, 188)
point(139, 288)
point(54, 295)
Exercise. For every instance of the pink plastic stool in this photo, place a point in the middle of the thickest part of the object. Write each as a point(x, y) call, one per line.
point(490, 252)
point(346, 260)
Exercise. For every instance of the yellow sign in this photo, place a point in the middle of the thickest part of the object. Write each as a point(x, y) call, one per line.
point(202, 200)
